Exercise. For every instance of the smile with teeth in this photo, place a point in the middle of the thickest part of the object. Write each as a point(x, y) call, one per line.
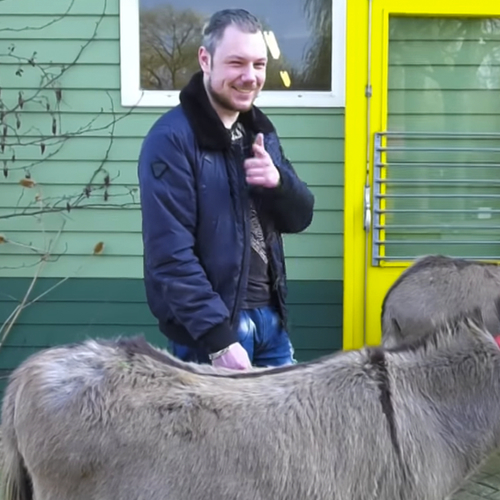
point(243, 91)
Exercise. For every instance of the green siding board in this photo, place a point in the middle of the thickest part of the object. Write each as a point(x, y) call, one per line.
point(316, 315)
point(130, 244)
point(310, 337)
point(46, 335)
point(62, 51)
point(132, 291)
point(84, 101)
point(3, 382)
point(124, 148)
point(129, 221)
point(92, 313)
point(309, 354)
point(136, 314)
point(299, 268)
point(324, 339)
point(327, 222)
point(55, 9)
point(73, 28)
point(311, 126)
point(11, 357)
point(125, 172)
point(79, 76)
point(74, 266)
point(327, 198)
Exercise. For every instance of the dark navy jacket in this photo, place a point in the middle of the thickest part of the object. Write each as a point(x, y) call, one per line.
point(195, 220)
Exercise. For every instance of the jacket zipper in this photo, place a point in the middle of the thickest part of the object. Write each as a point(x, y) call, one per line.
point(237, 299)
point(246, 241)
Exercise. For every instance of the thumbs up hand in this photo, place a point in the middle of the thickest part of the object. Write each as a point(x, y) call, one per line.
point(260, 169)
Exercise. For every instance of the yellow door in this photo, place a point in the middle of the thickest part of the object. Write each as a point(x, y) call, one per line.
point(422, 144)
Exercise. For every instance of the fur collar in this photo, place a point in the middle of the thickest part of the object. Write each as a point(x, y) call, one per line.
point(207, 126)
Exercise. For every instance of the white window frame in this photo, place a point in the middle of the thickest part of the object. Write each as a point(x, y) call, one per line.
point(132, 95)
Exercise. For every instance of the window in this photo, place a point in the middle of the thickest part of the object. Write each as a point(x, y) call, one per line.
point(438, 185)
point(159, 42)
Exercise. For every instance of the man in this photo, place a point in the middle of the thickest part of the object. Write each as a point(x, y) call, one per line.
point(216, 195)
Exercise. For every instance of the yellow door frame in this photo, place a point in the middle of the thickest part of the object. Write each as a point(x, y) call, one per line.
point(367, 33)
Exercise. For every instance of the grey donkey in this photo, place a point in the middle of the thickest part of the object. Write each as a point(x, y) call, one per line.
point(121, 419)
point(432, 291)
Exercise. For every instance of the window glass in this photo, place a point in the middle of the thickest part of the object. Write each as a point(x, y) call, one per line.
point(298, 34)
point(442, 193)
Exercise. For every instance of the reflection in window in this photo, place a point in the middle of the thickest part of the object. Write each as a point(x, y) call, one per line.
point(298, 34)
point(444, 74)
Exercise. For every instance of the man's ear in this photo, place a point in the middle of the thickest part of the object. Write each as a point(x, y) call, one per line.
point(204, 58)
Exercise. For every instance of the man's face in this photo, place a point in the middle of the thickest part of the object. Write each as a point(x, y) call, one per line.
point(237, 71)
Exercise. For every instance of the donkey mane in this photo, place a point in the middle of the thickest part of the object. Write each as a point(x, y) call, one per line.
point(139, 346)
point(471, 321)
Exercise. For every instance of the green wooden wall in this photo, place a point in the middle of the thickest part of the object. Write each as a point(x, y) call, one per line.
point(103, 294)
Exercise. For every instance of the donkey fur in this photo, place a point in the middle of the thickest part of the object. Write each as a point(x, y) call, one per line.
point(122, 420)
point(431, 292)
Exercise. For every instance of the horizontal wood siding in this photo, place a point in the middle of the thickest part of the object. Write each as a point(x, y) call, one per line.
point(312, 138)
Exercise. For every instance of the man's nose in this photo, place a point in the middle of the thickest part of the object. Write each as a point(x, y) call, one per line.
point(249, 74)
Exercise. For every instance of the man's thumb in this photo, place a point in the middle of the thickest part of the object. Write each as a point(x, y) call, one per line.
point(259, 139)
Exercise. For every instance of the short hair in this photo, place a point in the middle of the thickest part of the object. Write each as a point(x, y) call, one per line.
point(214, 29)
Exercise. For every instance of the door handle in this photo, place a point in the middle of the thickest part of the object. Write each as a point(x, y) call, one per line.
point(367, 206)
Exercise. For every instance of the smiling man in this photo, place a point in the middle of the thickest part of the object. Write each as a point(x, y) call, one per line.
point(217, 193)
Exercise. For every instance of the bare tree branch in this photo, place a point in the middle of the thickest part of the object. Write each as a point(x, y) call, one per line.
point(18, 137)
point(43, 26)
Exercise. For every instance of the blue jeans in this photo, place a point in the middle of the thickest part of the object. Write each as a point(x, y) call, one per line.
point(261, 335)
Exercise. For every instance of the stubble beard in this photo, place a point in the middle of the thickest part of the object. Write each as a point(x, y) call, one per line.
point(225, 103)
